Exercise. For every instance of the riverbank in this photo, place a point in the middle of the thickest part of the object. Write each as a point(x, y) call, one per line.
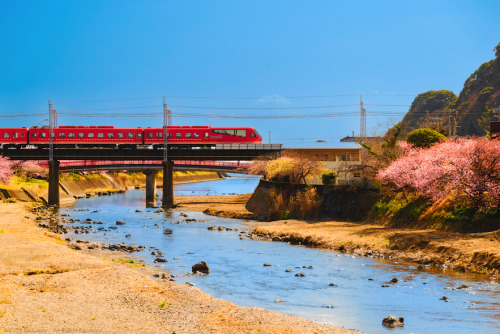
point(465, 252)
point(48, 287)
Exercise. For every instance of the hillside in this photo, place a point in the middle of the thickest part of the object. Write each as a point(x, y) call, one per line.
point(472, 109)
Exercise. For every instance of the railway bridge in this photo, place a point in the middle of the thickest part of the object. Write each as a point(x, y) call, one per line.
point(221, 152)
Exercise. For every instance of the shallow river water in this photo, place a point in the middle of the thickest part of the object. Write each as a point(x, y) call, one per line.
point(238, 274)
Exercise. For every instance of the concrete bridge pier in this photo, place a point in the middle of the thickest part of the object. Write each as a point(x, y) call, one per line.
point(168, 184)
point(150, 185)
point(53, 183)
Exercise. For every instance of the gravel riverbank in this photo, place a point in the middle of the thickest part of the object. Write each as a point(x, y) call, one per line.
point(46, 286)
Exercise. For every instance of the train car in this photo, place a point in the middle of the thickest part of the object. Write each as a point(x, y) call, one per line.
point(13, 137)
point(87, 136)
point(188, 136)
point(109, 136)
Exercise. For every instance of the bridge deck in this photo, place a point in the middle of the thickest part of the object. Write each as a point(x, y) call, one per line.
point(221, 152)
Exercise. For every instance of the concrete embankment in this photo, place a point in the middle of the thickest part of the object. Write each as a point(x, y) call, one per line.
point(344, 203)
point(76, 186)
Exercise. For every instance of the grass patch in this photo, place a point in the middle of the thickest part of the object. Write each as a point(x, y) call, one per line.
point(2, 231)
point(29, 182)
point(163, 304)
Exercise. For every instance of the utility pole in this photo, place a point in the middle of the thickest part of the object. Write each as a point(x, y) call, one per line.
point(362, 124)
point(269, 136)
point(455, 123)
point(449, 124)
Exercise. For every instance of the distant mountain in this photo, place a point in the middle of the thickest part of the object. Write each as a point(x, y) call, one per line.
point(469, 114)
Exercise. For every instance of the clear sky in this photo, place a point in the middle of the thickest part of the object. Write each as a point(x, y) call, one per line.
point(251, 54)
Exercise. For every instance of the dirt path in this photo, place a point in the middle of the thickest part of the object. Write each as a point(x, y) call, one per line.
point(473, 252)
point(47, 287)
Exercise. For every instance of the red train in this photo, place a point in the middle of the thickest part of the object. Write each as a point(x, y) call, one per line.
point(109, 136)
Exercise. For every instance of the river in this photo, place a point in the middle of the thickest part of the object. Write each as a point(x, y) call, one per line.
point(237, 271)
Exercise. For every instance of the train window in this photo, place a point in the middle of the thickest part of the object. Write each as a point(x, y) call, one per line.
point(205, 135)
point(90, 135)
point(43, 135)
point(188, 134)
point(252, 135)
point(16, 135)
point(33, 135)
point(149, 135)
point(52, 135)
point(139, 135)
point(81, 135)
point(241, 133)
point(110, 135)
point(71, 135)
point(169, 135)
point(100, 135)
point(159, 135)
point(119, 135)
point(196, 135)
point(6, 135)
point(62, 135)
point(178, 135)
point(225, 132)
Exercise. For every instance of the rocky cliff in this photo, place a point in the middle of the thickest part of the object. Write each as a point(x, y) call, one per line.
point(467, 114)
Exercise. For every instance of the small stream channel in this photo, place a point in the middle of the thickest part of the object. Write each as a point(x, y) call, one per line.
point(237, 271)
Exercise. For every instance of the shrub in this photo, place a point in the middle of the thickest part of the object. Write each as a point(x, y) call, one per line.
point(424, 137)
point(302, 204)
point(328, 178)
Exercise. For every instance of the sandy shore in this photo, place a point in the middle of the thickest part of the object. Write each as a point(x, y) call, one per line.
point(471, 252)
point(47, 287)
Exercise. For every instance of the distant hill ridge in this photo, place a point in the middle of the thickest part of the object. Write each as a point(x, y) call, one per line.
point(467, 114)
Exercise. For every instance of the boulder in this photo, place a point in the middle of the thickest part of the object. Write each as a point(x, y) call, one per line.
point(200, 267)
point(120, 222)
point(392, 321)
point(160, 260)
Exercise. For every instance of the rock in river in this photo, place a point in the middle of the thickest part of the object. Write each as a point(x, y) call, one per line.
point(160, 260)
point(392, 321)
point(120, 222)
point(200, 267)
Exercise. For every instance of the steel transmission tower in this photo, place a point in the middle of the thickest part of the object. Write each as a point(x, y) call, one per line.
point(167, 120)
point(52, 125)
point(362, 124)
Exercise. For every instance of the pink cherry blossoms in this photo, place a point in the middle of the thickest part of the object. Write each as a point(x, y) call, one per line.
point(5, 169)
point(463, 168)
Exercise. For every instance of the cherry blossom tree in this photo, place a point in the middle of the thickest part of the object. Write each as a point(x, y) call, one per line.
point(292, 167)
point(30, 169)
point(5, 169)
point(468, 168)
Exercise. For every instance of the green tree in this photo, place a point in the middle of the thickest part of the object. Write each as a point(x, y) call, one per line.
point(424, 138)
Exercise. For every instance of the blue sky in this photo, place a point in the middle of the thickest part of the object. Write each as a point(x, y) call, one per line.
point(273, 53)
